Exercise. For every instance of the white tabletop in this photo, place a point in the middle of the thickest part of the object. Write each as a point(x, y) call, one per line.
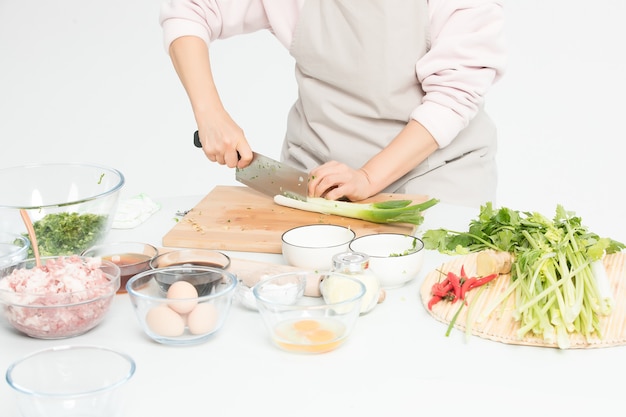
point(397, 362)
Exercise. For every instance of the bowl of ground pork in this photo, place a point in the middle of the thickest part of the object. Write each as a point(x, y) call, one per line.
point(65, 296)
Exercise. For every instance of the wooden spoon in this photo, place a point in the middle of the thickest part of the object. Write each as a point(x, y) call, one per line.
point(31, 235)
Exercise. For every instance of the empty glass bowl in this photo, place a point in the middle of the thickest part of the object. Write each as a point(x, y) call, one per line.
point(71, 381)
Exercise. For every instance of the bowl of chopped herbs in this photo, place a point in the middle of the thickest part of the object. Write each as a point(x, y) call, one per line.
point(395, 258)
point(71, 205)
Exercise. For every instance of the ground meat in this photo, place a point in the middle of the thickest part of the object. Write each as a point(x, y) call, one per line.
point(65, 297)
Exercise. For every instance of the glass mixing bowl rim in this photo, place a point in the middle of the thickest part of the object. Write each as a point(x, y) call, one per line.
point(114, 189)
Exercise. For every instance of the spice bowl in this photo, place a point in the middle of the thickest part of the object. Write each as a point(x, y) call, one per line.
point(312, 247)
point(71, 381)
point(71, 206)
point(62, 298)
point(131, 257)
point(13, 248)
point(394, 258)
point(179, 315)
point(304, 324)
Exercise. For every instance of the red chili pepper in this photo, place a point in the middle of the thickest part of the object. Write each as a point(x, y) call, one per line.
point(456, 286)
point(434, 300)
point(467, 285)
point(463, 274)
point(442, 288)
point(483, 280)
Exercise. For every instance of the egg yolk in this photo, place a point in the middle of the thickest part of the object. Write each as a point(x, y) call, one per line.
point(306, 325)
point(321, 336)
point(309, 336)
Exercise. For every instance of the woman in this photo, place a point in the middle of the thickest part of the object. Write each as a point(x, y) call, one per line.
point(390, 92)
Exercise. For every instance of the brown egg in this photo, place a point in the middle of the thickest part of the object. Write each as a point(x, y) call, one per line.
point(202, 319)
point(184, 291)
point(164, 321)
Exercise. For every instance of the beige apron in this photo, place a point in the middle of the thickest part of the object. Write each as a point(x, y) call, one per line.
point(355, 70)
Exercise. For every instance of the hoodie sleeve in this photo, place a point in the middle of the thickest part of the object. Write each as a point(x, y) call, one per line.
point(466, 57)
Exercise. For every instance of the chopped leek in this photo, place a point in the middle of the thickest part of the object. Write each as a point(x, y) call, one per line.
point(390, 211)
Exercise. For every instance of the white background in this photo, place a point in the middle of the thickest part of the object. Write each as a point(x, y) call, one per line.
point(89, 81)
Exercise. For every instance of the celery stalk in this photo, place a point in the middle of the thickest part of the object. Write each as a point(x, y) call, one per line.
point(559, 283)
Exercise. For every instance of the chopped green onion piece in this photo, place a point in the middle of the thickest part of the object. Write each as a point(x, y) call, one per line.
point(391, 211)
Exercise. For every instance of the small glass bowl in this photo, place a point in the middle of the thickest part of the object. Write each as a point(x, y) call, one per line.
point(71, 381)
point(131, 257)
point(13, 248)
point(303, 324)
point(189, 257)
point(187, 318)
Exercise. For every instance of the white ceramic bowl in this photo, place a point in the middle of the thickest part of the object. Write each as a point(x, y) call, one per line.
point(313, 246)
point(394, 257)
point(71, 381)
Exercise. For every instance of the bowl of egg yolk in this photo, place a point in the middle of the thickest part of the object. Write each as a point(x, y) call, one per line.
point(182, 314)
point(309, 324)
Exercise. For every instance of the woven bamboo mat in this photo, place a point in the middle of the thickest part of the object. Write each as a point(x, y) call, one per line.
point(500, 326)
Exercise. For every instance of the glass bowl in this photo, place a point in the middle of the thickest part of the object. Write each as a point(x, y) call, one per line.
point(71, 381)
point(178, 315)
point(72, 206)
point(304, 324)
point(13, 248)
point(131, 257)
point(188, 257)
point(65, 297)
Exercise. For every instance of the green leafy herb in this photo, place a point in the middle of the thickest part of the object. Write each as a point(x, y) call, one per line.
point(556, 288)
point(412, 249)
point(68, 233)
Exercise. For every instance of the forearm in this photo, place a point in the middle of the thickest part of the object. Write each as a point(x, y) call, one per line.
point(412, 146)
point(190, 57)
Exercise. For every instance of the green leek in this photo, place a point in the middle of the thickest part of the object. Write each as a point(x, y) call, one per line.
point(390, 211)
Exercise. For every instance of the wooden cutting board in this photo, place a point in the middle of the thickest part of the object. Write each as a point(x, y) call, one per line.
point(240, 219)
point(499, 324)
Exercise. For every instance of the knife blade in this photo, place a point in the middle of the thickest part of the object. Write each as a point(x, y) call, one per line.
point(271, 177)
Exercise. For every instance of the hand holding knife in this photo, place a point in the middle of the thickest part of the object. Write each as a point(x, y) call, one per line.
point(270, 176)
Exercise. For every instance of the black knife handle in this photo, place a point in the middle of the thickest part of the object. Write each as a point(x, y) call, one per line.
point(198, 144)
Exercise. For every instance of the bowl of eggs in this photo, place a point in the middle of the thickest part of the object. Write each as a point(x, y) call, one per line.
point(183, 313)
point(300, 323)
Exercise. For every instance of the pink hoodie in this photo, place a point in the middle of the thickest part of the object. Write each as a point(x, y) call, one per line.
point(467, 54)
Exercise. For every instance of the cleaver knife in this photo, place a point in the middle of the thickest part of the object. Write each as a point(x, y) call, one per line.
point(271, 177)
